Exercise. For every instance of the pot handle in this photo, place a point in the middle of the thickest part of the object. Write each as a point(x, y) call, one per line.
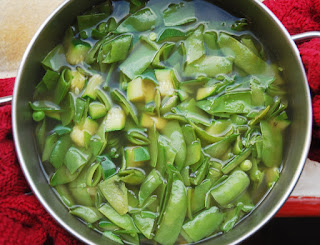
point(298, 38)
point(5, 100)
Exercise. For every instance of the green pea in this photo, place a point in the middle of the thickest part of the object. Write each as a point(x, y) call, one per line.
point(38, 116)
point(246, 165)
point(152, 36)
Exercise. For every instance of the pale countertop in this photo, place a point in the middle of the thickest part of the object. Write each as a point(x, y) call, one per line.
point(20, 19)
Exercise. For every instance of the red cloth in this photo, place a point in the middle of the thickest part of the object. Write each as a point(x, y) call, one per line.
point(23, 219)
point(302, 16)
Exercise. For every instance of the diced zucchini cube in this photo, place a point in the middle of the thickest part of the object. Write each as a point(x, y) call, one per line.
point(77, 52)
point(140, 90)
point(135, 91)
point(136, 156)
point(77, 136)
point(97, 110)
point(77, 82)
point(167, 81)
point(147, 121)
point(91, 126)
point(116, 119)
point(81, 133)
point(94, 82)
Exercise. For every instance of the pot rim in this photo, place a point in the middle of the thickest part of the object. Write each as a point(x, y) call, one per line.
point(72, 231)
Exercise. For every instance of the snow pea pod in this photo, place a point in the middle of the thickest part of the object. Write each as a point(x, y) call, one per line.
point(185, 175)
point(49, 144)
point(104, 98)
point(195, 45)
point(153, 136)
point(41, 134)
point(174, 214)
point(98, 141)
point(174, 133)
point(236, 161)
point(128, 237)
point(162, 54)
point(59, 151)
point(218, 149)
point(161, 159)
point(144, 224)
point(189, 197)
point(179, 14)
point(272, 176)
point(112, 237)
point(272, 144)
point(231, 188)
point(199, 195)
point(107, 225)
point(116, 193)
point(210, 39)
point(116, 49)
point(68, 109)
point(138, 137)
point(76, 158)
point(55, 59)
point(90, 20)
point(171, 33)
point(44, 105)
point(63, 85)
point(120, 97)
point(231, 218)
point(232, 103)
point(78, 188)
point(243, 56)
point(124, 221)
point(48, 83)
point(142, 20)
point(193, 145)
point(63, 176)
point(65, 195)
point(80, 107)
point(209, 65)
point(201, 173)
point(149, 185)
point(88, 214)
point(94, 174)
point(132, 176)
point(205, 136)
point(202, 225)
point(190, 111)
point(139, 60)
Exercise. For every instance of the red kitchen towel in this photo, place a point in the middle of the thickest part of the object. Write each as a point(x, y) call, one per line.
point(302, 16)
point(23, 219)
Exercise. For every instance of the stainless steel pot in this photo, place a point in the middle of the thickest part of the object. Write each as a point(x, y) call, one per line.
point(267, 28)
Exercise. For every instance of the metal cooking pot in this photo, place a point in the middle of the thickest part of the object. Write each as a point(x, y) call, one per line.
point(266, 27)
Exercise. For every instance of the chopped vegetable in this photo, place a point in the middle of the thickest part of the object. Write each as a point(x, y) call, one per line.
point(160, 122)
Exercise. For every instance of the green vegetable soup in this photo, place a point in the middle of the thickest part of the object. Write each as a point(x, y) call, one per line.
point(160, 121)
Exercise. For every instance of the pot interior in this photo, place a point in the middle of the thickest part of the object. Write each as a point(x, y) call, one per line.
point(264, 26)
